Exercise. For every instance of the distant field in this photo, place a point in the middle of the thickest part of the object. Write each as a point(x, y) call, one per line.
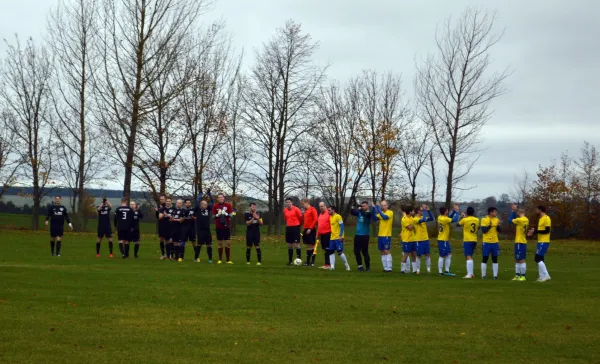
point(82, 309)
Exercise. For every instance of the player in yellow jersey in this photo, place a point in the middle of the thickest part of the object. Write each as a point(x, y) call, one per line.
point(336, 244)
point(470, 226)
point(384, 237)
point(543, 233)
point(490, 226)
point(521, 226)
point(444, 228)
point(422, 216)
point(409, 239)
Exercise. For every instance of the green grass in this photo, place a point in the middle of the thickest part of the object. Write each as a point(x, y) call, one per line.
point(80, 309)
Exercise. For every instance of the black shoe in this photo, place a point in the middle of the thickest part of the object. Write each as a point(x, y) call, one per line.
point(124, 256)
point(368, 269)
point(306, 264)
point(53, 254)
point(495, 278)
point(290, 263)
point(361, 268)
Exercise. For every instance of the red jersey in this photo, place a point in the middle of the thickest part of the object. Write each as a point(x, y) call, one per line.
point(222, 221)
point(293, 216)
point(324, 225)
point(310, 218)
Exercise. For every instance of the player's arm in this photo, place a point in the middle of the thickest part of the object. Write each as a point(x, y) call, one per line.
point(260, 220)
point(212, 200)
point(423, 217)
point(68, 220)
point(198, 199)
point(215, 212)
point(300, 216)
point(99, 207)
point(116, 219)
point(380, 213)
point(512, 218)
point(486, 228)
point(454, 218)
point(353, 212)
point(48, 214)
point(249, 219)
point(374, 215)
point(341, 228)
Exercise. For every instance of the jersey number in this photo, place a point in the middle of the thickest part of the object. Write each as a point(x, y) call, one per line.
point(473, 228)
point(525, 229)
point(441, 228)
point(124, 215)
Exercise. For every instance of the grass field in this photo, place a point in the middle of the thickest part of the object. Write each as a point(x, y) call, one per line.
point(77, 308)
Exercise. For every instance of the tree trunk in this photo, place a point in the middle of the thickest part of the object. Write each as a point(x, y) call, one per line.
point(433, 183)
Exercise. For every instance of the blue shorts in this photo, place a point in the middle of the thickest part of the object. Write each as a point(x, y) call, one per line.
point(384, 242)
point(423, 248)
point(336, 245)
point(444, 248)
point(520, 251)
point(409, 247)
point(469, 248)
point(492, 249)
point(542, 248)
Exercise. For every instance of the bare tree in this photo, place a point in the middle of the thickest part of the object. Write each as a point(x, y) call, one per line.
point(414, 156)
point(142, 40)
point(25, 94)
point(282, 89)
point(433, 173)
point(588, 176)
point(73, 38)
point(9, 158)
point(522, 188)
point(454, 91)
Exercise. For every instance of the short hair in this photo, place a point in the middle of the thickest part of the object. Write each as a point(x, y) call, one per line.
point(408, 209)
point(169, 198)
point(443, 210)
point(220, 194)
point(187, 200)
point(542, 208)
point(333, 208)
point(252, 204)
point(162, 196)
point(470, 211)
point(288, 199)
point(124, 199)
point(58, 197)
point(491, 209)
point(179, 200)
point(364, 202)
point(521, 211)
point(305, 200)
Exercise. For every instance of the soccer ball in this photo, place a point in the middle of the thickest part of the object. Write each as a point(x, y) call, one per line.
point(298, 261)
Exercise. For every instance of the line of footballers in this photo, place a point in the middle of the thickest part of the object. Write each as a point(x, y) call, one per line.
point(184, 222)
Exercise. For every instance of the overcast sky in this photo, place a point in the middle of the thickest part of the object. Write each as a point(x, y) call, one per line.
point(553, 48)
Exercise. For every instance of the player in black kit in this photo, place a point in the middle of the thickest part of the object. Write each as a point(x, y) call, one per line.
point(253, 223)
point(104, 229)
point(189, 225)
point(159, 209)
point(203, 218)
point(164, 227)
point(177, 219)
point(57, 214)
point(135, 231)
point(124, 224)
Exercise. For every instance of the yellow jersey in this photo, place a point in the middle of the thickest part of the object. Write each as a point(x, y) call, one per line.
point(420, 229)
point(492, 235)
point(542, 225)
point(336, 223)
point(521, 227)
point(470, 226)
point(385, 226)
point(408, 236)
point(444, 228)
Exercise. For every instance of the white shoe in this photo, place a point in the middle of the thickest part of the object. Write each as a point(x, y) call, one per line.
point(469, 276)
point(348, 267)
point(541, 279)
point(332, 268)
point(162, 257)
point(428, 270)
point(418, 271)
point(548, 278)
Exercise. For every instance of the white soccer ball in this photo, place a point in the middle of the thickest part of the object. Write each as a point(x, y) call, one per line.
point(298, 261)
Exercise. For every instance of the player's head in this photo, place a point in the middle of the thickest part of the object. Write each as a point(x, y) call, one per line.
point(162, 199)
point(203, 204)
point(492, 211)
point(132, 205)
point(384, 205)
point(470, 211)
point(288, 203)
point(364, 205)
point(221, 198)
point(179, 203)
point(521, 212)
point(305, 203)
point(418, 210)
point(57, 200)
point(124, 201)
point(168, 201)
point(541, 210)
point(253, 207)
point(407, 210)
point(332, 210)
point(443, 211)
point(188, 203)
point(322, 207)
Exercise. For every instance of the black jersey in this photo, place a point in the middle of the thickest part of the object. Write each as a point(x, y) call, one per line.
point(189, 215)
point(124, 218)
point(104, 217)
point(137, 216)
point(177, 214)
point(57, 214)
point(164, 222)
point(254, 226)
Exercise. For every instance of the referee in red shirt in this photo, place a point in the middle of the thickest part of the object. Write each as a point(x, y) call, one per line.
point(293, 220)
point(310, 230)
point(324, 232)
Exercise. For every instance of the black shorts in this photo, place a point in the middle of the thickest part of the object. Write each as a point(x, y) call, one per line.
point(164, 231)
point(57, 231)
point(204, 237)
point(124, 235)
point(252, 238)
point(189, 234)
point(223, 234)
point(325, 238)
point(361, 240)
point(105, 232)
point(135, 236)
point(309, 239)
point(177, 236)
point(292, 234)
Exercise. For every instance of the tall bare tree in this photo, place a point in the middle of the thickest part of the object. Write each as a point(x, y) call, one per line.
point(25, 94)
point(73, 39)
point(9, 157)
point(454, 89)
point(283, 85)
point(142, 40)
point(414, 156)
point(588, 175)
